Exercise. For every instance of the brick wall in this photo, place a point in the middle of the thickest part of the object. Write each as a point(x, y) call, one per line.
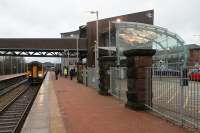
point(194, 57)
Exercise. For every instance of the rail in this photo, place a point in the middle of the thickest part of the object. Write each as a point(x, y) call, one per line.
point(14, 111)
point(14, 115)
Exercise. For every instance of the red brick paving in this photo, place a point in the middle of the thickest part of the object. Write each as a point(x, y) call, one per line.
point(85, 111)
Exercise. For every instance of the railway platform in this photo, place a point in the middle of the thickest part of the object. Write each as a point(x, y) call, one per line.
point(65, 106)
point(10, 76)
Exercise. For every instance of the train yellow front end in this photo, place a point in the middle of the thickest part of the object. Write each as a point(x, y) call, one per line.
point(35, 72)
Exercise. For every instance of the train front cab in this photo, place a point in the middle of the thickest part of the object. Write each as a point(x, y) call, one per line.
point(36, 73)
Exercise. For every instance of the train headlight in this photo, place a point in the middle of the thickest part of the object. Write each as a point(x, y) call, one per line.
point(40, 75)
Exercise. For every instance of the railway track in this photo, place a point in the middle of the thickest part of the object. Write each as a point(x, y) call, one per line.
point(14, 107)
point(10, 84)
point(10, 96)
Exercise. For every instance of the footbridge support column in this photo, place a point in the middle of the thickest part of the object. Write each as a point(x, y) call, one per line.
point(137, 61)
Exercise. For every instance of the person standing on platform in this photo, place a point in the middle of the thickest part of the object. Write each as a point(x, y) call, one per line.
point(61, 73)
point(65, 72)
point(71, 73)
point(56, 73)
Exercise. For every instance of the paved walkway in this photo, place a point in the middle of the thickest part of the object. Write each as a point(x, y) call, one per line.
point(85, 111)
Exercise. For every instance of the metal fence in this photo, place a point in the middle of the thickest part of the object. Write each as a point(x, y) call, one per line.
point(84, 76)
point(90, 77)
point(12, 65)
point(175, 94)
point(118, 82)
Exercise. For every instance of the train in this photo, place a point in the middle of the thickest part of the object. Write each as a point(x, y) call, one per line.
point(35, 72)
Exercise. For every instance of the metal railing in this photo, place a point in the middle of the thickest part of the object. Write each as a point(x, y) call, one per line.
point(175, 94)
point(118, 82)
point(90, 77)
point(84, 76)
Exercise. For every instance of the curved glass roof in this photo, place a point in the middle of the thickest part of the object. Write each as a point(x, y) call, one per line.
point(169, 46)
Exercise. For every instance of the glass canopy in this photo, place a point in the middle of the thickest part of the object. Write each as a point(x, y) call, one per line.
point(169, 46)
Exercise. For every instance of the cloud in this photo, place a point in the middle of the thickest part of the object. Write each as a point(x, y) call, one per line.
point(48, 18)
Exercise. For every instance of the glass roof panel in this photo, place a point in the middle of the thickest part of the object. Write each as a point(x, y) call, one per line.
point(132, 35)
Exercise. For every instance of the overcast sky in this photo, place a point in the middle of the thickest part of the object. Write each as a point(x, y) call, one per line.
point(48, 18)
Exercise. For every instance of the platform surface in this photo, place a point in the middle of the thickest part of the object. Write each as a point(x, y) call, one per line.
point(44, 116)
point(5, 77)
point(66, 106)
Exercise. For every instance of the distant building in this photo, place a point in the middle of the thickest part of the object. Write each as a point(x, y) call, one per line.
point(194, 55)
point(69, 62)
point(48, 65)
point(192, 50)
point(72, 34)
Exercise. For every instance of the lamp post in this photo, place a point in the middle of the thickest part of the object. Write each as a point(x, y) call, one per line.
point(109, 32)
point(96, 46)
point(109, 37)
point(77, 48)
point(117, 41)
point(97, 39)
point(68, 56)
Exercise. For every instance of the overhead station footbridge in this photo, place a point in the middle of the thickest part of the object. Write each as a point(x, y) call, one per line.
point(43, 47)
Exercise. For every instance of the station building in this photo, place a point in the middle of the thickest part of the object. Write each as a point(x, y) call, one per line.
point(136, 30)
point(194, 55)
point(107, 29)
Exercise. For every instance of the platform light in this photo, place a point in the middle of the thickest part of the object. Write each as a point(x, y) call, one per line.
point(118, 20)
point(40, 75)
point(72, 35)
point(97, 38)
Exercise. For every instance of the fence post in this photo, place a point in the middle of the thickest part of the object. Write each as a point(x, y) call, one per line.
point(181, 107)
point(148, 86)
point(119, 78)
point(109, 91)
point(86, 76)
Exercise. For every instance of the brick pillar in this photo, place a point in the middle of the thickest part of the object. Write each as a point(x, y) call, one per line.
point(105, 62)
point(137, 60)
